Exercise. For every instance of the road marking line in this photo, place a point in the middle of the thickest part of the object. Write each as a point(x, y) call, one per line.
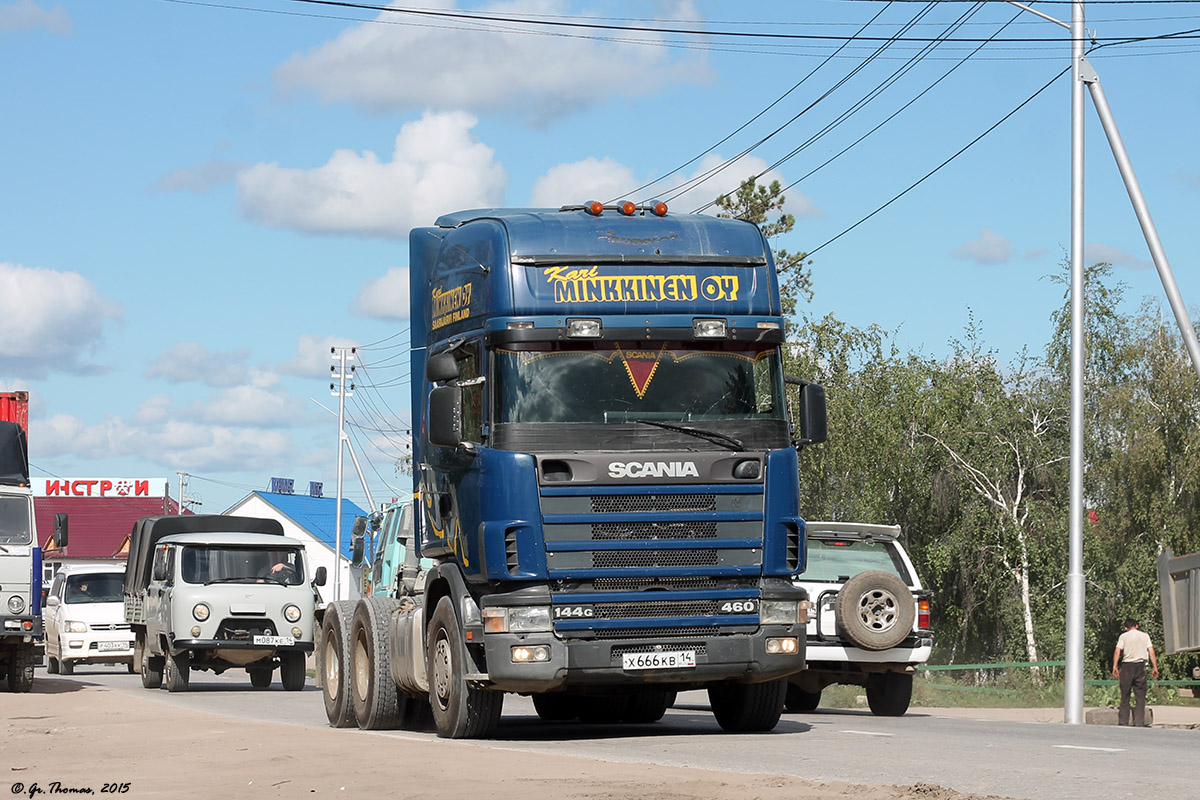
point(1081, 747)
point(869, 733)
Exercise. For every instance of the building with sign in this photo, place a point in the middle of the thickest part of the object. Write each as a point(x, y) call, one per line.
point(100, 514)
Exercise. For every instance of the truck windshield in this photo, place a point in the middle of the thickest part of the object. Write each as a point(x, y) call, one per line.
point(614, 383)
point(14, 520)
point(221, 564)
point(606, 387)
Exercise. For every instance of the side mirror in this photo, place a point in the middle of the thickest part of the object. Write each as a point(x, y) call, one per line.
point(810, 416)
point(51, 601)
point(60, 530)
point(376, 520)
point(445, 416)
point(358, 541)
point(441, 368)
point(320, 577)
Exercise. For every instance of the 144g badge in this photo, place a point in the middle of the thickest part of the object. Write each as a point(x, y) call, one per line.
point(574, 612)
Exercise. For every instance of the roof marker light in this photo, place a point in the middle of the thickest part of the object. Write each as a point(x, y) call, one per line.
point(659, 209)
point(628, 208)
point(595, 208)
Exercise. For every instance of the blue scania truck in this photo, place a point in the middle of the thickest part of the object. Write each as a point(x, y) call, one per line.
point(604, 478)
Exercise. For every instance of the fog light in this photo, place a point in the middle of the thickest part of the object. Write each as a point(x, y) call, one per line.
point(195, 631)
point(524, 655)
point(297, 633)
point(75, 644)
point(709, 328)
point(786, 645)
point(583, 328)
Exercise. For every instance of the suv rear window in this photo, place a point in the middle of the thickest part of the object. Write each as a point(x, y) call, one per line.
point(838, 560)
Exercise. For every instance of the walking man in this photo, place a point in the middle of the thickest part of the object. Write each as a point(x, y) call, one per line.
point(1132, 648)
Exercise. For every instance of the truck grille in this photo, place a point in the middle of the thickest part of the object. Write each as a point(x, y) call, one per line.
point(656, 556)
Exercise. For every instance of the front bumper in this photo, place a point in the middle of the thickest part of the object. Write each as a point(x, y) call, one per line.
point(179, 645)
point(589, 662)
point(84, 648)
point(820, 650)
point(15, 627)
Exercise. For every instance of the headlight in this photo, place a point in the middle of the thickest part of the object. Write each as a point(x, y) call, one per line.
point(75, 627)
point(16, 604)
point(291, 613)
point(779, 612)
point(200, 612)
point(519, 619)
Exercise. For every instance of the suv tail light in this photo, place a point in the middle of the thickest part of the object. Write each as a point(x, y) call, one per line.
point(923, 614)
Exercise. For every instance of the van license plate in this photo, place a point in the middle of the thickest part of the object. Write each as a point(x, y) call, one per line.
point(105, 647)
point(671, 659)
point(275, 641)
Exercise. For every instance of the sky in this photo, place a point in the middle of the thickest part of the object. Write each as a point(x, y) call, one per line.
point(198, 200)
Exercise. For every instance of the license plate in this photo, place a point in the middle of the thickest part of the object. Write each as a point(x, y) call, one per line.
point(671, 659)
point(105, 647)
point(274, 641)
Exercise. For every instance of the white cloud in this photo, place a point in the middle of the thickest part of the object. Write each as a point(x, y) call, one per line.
point(989, 248)
point(313, 356)
point(191, 361)
point(385, 297)
point(442, 64)
point(1099, 251)
point(581, 181)
point(199, 178)
point(606, 179)
point(247, 406)
point(50, 321)
point(437, 166)
point(173, 444)
point(28, 15)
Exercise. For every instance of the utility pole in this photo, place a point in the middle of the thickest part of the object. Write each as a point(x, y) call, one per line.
point(185, 501)
point(1084, 76)
point(341, 355)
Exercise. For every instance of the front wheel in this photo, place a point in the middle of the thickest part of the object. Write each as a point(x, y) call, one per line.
point(51, 665)
point(460, 711)
point(260, 677)
point(748, 707)
point(889, 693)
point(20, 670)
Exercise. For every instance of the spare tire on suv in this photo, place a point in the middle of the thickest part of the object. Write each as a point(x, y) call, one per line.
point(875, 610)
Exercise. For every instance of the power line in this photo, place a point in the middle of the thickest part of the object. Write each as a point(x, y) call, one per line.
point(938, 168)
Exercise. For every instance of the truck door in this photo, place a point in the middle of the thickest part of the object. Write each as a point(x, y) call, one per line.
point(158, 599)
point(450, 477)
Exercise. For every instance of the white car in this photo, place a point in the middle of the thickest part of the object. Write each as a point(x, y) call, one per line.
point(868, 622)
point(85, 618)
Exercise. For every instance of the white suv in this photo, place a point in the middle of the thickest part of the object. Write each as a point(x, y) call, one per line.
point(868, 621)
point(85, 618)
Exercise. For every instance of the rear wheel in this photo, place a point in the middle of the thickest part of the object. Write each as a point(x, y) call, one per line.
point(747, 707)
point(889, 693)
point(460, 711)
point(798, 699)
point(378, 704)
point(260, 677)
point(556, 707)
point(152, 671)
point(179, 669)
point(335, 661)
point(291, 671)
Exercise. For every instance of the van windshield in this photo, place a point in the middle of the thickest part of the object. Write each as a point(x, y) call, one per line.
point(95, 588)
point(14, 520)
point(226, 564)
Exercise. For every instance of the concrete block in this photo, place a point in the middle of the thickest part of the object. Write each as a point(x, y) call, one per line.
point(1108, 716)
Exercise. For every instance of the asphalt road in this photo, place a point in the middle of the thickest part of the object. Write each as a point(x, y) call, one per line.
point(1012, 759)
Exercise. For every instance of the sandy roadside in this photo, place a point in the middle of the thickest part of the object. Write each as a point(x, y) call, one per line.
point(84, 737)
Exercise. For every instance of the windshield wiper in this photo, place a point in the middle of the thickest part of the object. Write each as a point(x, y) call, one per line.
point(230, 580)
point(699, 433)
